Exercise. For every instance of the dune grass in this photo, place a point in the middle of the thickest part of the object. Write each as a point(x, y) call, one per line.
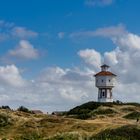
point(105, 122)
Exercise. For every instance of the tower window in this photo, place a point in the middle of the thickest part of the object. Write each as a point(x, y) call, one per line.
point(109, 80)
point(102, 81)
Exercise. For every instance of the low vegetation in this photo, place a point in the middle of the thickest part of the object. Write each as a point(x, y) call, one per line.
point(128, 109)
point(90, 110)
point(96, 121)
point(133, 115)
point(128, 132)
point(66, 136)
point(104, 111)
point(24, 109)
point(5, 120)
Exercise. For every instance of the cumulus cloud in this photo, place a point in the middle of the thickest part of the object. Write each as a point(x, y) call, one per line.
point(128, 41)
point(9, 30)
point(126, 57)
point(10, 76)
point(24, 50)
point(53, 89)
point(98, 2)
point(22, 32)
point(4, 24)
point(66, 86)
point(108, 32)
point(91, 57)
point(61, 35)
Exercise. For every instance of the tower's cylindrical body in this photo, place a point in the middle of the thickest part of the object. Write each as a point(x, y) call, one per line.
point(105, 81)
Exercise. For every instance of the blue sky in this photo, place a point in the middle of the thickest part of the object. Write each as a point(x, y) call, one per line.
point(50, 45)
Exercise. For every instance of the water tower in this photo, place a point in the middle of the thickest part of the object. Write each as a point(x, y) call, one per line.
point(104, 81)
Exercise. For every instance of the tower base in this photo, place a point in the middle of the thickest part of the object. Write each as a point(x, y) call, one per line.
point(104, 100)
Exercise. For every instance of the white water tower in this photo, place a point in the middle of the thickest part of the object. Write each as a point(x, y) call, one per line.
point(104, 81)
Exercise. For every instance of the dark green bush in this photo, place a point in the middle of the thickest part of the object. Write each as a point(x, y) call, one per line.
point(65, 137)
point(5, 107)
point(3, 139)
point(104, 111)
point(134, 104)
point(122, 133)
point(84, 111)
point(87, 110)
point(128, 109)
point(24, 109)
point(84, 108)
point(4, 120)
point(30, 136)
point(83, 116)
point(133, 115)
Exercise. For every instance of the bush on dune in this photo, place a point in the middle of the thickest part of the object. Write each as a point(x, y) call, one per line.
point(5, 120)
point(132, 115)
point(129, 132)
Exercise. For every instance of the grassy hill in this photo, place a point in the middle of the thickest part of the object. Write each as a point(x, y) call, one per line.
point(92, 121)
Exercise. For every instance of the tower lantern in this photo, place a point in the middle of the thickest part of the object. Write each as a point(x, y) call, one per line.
point(105, 81)
point(104, 67)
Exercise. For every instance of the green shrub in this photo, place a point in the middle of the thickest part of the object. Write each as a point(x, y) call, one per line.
point(83, 116)
point(30, 136)
point(6, 107)
point(122, 133)
point(5, 120)
point(84, 108)
point(66, 136)
point(128, 109)
point(87, 107)
point(3, 139)
point(104, 111)
point(134, 104)
point(24, 109)
point(133, 115)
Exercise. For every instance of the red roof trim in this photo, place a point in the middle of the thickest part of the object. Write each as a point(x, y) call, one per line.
point(105, 73)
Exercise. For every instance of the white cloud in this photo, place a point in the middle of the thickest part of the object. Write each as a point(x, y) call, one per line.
point(25, 50)
point(65, 86)
point(110, 57)
point(127, 56)
point(10, 76)
point(9, 30)
point(7, 25)
point(22, 32)
point(128, 41)
point(54, 89)
point(98, 2)
point(61, 35)
point(109, 32)
point(91, 57)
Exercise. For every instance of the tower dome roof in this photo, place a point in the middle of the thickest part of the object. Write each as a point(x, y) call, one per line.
point(105, 66)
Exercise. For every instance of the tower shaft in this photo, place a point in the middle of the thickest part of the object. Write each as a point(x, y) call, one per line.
point(105, 95)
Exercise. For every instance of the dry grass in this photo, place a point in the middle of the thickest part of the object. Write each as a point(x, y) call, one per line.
point(26, 125)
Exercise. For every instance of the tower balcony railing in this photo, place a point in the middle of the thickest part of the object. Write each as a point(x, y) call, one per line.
point(105, 85)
